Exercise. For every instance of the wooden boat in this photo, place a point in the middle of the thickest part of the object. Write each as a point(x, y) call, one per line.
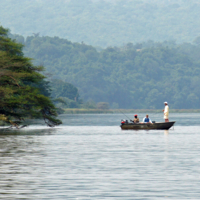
point(147, 126)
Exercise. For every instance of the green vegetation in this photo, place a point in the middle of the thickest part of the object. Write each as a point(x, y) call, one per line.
point(123, 111)
point(87, 111)
point(65, 95)
point(104, 22)
point(142, 76)
point(22, 86)
point(130, 74)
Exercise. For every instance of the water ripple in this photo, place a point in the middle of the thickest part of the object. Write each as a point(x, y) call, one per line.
point(100, 162)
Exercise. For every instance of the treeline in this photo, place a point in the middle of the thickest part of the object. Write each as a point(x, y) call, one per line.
point(104, 22)
point(141, 75)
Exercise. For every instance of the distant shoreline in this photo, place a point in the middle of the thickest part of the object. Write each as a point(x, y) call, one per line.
point(111, 111)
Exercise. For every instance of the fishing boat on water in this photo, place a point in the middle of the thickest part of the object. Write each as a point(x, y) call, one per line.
point(125, 125)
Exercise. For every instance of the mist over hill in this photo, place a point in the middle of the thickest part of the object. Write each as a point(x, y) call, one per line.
point(141, 75)
point(131, 54)
point(104, 22)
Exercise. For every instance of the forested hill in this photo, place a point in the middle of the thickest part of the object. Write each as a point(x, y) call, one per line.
point(132, 76)
point(104, 22)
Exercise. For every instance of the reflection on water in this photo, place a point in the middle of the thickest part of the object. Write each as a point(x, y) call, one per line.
point(31, 130)
point(84, 160)
point(166, 132)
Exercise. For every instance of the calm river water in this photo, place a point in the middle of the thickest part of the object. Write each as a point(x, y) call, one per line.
point(90, 157)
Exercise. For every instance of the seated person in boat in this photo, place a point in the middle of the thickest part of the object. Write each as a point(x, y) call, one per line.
point(136, 119)
point(147, 119)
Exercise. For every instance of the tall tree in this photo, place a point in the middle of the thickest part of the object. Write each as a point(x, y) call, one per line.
point(20, 94)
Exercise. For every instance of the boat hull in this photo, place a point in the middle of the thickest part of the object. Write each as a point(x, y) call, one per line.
point(148, 126)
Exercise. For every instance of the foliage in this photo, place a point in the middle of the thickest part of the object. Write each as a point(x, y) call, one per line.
point(89, 105)
point(141, 75)
point(65, 95)
point(20, 83)
point(104, 22)
point(103, 105)
point(62, 89)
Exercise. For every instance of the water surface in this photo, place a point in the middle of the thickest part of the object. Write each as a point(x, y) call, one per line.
point(90, 157)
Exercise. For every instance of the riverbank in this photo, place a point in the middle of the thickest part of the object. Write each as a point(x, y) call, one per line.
point(101, 111)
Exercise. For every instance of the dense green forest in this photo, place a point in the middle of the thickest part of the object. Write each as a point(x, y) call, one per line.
point(141, 75)
point(104, 22)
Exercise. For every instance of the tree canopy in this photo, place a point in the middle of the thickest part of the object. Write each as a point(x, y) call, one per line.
point(20, 86)
point(65, 95)
point(141, 75)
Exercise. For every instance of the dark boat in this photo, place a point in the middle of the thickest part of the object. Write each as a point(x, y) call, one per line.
point(147, 126)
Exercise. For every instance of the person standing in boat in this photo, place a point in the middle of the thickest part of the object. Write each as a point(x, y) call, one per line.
point(136, 119)
point(147, 119)
point(166, 112)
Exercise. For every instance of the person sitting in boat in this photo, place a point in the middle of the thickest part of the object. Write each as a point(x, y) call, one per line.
point(136, 119)
point(147, 119)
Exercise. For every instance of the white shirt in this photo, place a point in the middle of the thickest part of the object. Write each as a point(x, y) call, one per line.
point(166, 112)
